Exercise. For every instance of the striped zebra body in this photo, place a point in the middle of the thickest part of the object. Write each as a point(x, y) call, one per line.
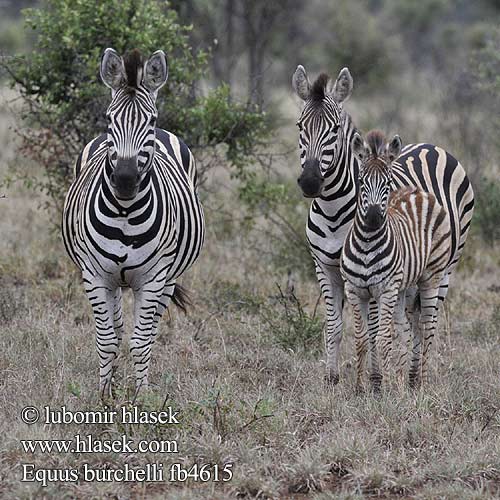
point(132, 218)
point(330, 176)
point(398, 240)
point(162, 226)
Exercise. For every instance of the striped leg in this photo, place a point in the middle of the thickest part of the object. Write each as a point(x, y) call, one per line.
point(102, 300)
point(428, 321)
point(118, 325)
point(361, 335)
point(147, 300)
point(168, 292)
point(443, 286)
point(118, 315)
point(386, 302)
point(402, 335)
point(416, 351)
point(332, 288)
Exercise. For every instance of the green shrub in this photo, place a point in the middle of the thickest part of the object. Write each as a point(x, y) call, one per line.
point(290, 326)
point(285, 211)
point(65, 101)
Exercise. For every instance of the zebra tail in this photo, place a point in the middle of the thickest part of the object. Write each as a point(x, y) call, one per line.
point(417, 303)
point(181, 298)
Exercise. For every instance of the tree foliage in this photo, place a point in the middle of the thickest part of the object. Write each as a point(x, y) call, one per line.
point(65, 100)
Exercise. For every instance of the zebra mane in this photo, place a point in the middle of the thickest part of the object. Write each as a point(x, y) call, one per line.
point(376, 141)
point(318, 88)
point(133, 62)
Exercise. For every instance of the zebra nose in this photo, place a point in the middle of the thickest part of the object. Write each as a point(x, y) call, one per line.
point(311, 180)
point(374, 216)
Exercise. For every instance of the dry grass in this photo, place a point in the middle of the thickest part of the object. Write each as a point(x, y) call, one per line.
point(243, 398)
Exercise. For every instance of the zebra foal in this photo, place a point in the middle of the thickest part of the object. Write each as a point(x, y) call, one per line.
point(399, 240)
point(132, 217)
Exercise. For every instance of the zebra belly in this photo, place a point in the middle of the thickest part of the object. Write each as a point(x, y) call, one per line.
point(123, 265)
point(371, 287)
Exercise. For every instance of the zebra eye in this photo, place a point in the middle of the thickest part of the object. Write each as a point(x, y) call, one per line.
point(335, 129)
point(153, 120)
point(299, 125)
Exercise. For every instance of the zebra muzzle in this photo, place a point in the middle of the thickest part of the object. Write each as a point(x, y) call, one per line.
point(311, 180)
point(374, 217)
point(125, 179)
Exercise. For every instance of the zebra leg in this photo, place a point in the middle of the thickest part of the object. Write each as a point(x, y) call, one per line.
point(443, 286)
point(146, 304)
point(428, 321)
point(118, 325)
point(118, 315)
point(168, 292)
point(386, 304)
point(102, 300)
point(402, 335)
point(332, 288)
point(360, 313)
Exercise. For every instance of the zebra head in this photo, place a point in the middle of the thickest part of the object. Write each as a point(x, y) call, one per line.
point(321, 135)
point(375, 157)
point(132, 114)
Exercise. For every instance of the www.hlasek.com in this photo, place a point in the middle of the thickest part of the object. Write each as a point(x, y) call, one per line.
point(88, 443)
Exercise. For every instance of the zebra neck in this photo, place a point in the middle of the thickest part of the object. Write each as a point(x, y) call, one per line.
point(340, 192)
point(116, 207)
point(369, 240)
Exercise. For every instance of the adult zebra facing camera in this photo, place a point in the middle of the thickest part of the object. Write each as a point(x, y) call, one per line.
point(329, 176)
point(132, 217)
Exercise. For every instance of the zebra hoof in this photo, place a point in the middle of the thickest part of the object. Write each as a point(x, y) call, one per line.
point(331, 379)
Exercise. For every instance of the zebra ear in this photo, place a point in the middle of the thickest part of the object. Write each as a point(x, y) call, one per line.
point(393, 148)
point(112, 69)
point(155, 71)
point(359, 148)
point(300, 83)
point(343, 86)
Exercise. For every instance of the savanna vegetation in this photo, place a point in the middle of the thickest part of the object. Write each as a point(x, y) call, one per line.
point(244, 366)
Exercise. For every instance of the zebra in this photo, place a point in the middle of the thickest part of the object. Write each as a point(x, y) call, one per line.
point(398, 240)
point(330, 178)
point(132, 217)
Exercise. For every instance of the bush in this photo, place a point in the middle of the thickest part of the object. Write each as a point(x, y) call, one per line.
point(65, 100)
point(289, 324)
point(286, 212)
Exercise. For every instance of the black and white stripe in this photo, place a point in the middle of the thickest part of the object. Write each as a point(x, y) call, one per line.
point(132, 217)
point(400, 240)
point(329, 176)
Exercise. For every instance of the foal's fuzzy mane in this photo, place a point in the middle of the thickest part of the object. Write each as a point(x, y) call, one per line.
point(376, 141)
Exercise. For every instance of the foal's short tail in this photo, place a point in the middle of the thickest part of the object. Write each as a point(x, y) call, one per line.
point(181, 298)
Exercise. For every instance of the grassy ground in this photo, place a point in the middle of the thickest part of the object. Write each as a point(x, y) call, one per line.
point(245, 369)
